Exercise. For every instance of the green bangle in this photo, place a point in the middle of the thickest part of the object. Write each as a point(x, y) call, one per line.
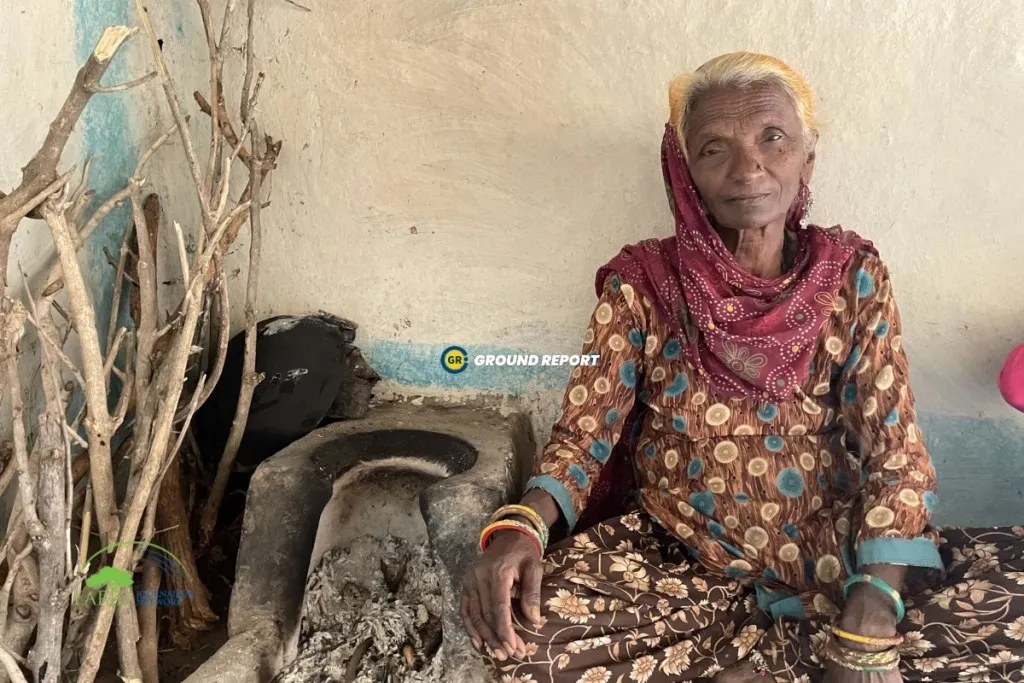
point(891, 593)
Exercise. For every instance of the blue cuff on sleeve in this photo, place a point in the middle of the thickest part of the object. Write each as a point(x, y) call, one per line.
point(909, 552)
point(547, 483)
point(779, 605)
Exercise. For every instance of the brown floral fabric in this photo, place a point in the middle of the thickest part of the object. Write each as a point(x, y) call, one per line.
point(623, 603)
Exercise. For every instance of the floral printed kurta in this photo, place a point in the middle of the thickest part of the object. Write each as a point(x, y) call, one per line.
point(793, 496)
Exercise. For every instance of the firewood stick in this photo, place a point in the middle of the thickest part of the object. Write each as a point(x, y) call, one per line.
point(249, 376)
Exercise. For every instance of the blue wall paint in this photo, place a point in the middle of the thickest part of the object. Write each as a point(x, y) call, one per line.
point(420, 365)
point(109, 139)
point(980, 461)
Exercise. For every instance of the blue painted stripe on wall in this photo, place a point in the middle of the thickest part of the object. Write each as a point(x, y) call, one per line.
point(109, 140)
point(420, 365)
point(980, 460)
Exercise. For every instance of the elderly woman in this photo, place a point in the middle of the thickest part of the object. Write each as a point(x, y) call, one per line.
point(782, 523)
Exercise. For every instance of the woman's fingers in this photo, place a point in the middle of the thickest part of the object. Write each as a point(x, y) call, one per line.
point(533, 573)
point(467, 621)
point(501, 609)
point(479, 604)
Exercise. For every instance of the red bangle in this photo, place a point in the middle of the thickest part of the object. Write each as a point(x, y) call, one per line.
point(509, 525)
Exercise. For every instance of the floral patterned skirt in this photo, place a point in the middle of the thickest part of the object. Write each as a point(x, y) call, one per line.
point(621, 604)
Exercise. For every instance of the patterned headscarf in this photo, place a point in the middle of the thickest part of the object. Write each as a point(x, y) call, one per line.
point(748, 336)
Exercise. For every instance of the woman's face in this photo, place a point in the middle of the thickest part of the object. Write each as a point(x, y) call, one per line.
point(747, 155)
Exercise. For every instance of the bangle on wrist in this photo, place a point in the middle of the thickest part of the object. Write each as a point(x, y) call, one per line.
point(529, 515)
point(895, 641)
point(511, 525)
point(885, 588)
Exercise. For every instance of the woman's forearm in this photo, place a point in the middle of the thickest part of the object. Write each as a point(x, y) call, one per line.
point(541, 501)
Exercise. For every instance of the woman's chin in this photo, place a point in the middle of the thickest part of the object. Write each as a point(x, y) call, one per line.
point(753, 219)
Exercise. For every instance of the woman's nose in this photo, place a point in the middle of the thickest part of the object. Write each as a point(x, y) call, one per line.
point(746, 165)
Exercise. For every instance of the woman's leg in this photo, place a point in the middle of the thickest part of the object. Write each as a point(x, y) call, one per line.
point(615, 605)
point(971, 627)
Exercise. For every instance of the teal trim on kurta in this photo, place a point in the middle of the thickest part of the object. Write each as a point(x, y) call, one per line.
point(910, 552)
point(779, 605)
point(546, 482)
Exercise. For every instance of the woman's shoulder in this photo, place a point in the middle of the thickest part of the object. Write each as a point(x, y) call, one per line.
point(864, 256)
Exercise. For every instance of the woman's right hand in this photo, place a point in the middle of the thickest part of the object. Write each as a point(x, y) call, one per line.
point(510, 560)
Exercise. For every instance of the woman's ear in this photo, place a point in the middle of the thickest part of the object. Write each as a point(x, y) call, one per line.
point(812, 153)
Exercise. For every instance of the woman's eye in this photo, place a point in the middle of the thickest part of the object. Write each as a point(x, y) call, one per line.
point(709, 152)
point(774, 137)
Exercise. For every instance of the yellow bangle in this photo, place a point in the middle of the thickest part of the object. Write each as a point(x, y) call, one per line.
point(511, 525)
point(527, 512)
point(895, 641)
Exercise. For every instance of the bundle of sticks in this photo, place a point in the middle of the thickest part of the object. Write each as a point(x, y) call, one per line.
point(137, 383)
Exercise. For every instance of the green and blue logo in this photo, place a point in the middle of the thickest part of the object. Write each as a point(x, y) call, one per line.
point(110, 585)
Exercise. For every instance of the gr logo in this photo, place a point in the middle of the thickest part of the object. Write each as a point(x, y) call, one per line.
point(454, 359)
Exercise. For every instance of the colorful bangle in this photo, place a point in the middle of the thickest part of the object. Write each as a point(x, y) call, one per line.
point(867, 640)
point(865, 662)
point(526, 512)
point(891, 593)
point(510, 525)
point(843, 659)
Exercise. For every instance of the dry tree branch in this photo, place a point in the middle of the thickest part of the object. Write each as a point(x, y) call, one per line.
point(51, 550)
point(226, 129)
point(114, 335)
point(54, 281)
point(223, 337)
point(206, 13)
point(121, 87)
point(149, 625)
point(11, 666)
point(56, 349)
point(245, 102)
point(214, 181)
point(11, 329)
point(21, 619)
point(82, 194)
point(249, 376)
point(41, 172)
point(170, 386)
point(182, 253)
point(170, 92)
point(98, 423)
point(149, 523)
point(7, 465)
point(32, 204)
point(145, 270)
point(12, 572)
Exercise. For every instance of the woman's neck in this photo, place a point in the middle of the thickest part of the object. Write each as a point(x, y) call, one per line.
point(758, 251)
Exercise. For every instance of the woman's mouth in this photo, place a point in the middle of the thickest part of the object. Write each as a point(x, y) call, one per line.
point(747, 199)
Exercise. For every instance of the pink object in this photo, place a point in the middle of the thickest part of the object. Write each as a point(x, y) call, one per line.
point(1011, 379)
point(737, 321)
